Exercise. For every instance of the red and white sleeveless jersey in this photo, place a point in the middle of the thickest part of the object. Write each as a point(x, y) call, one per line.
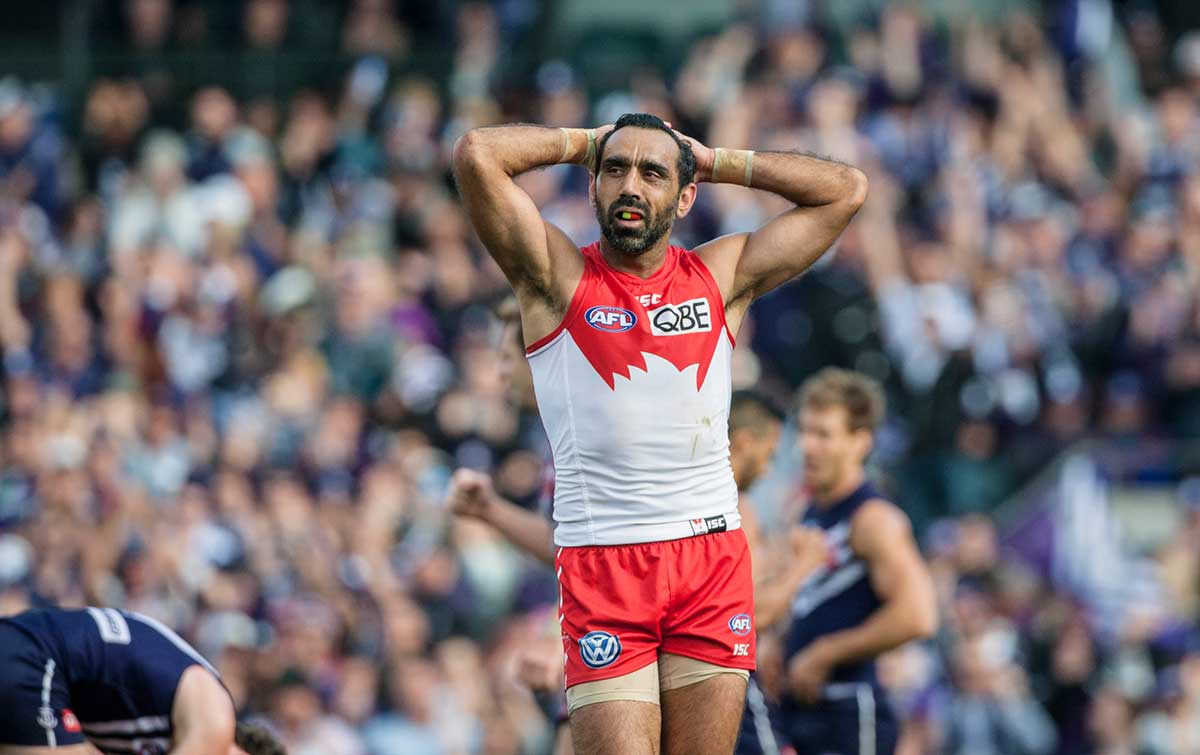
point(633, 388)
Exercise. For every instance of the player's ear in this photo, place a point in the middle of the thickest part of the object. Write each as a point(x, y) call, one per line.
point(865, 439)
point(687, 197)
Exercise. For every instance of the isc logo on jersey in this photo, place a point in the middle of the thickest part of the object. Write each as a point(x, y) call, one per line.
point(610, 319)
point(692, 316)
point(599, 649)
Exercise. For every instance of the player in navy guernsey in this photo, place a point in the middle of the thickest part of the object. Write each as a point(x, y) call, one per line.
point(71, 680)
point(874, 592)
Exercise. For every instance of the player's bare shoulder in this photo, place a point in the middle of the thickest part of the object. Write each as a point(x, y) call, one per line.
point(544, 301)
point(721, 257)
point(878, 524)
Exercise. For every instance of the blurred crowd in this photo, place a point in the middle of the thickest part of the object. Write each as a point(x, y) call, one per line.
point(247, 338)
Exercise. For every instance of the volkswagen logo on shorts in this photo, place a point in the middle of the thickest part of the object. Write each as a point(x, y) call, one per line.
point(740, 624)
point(610, 319)
point(599, 649)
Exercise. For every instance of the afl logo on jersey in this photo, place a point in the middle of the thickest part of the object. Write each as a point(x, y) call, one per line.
point(599, 649)
point(610, 319)
point(740, 624)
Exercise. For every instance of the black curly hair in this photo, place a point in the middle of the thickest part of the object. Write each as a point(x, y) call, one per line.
point(685, 165)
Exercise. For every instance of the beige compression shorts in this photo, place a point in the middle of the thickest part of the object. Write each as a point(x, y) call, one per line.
point(647, 683)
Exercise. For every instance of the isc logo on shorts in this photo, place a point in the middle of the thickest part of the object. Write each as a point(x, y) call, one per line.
point(610, 319)
point(709, 526)
point(740, 624)
point(691, 316)
point(599, 649)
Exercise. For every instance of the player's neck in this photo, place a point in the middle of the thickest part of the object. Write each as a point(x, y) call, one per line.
point(837, 493)
point(642, 265)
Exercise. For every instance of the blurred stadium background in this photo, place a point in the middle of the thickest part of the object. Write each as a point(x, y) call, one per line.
point(246, 335)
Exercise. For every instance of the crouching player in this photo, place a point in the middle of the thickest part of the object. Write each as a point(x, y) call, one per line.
point(71, 680)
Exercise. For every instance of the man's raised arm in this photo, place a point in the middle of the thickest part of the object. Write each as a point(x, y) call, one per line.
point(532, 253)
point(826, 193)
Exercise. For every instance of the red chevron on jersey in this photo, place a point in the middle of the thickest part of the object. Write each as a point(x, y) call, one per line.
point(614, 329)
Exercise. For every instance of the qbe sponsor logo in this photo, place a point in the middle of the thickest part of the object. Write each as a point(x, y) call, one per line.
point(599, 649)
point(691, 316)
point(741, 624)
point(610, 319)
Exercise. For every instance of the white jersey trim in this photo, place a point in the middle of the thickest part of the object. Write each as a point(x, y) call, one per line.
point(558, 337)
point(175, 639)
point(46, 713)
point(143, 725)
point(161, 744)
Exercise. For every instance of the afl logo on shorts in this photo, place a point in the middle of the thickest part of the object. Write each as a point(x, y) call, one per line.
point(740, 624)
point(599, 649)
point(610, 319)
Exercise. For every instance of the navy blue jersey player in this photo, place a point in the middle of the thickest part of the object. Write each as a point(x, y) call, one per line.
point(71, 680)
point(874, 592)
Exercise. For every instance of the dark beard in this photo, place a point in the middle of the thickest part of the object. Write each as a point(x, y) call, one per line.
point(632, 241)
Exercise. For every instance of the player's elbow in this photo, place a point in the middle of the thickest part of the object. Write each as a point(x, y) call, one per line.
point(925, 625)
point(544, 550)
point(469, 152)
point(857, 186)
point(924, 618)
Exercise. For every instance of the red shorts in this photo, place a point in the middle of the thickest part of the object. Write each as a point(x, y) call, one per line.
point(624, 605)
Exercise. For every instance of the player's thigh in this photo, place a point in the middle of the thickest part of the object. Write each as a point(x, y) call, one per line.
point(711, 614)
point(617, 727)
point(79, 749)
point(702, 706)
point(611, 602)
point(617, 715)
